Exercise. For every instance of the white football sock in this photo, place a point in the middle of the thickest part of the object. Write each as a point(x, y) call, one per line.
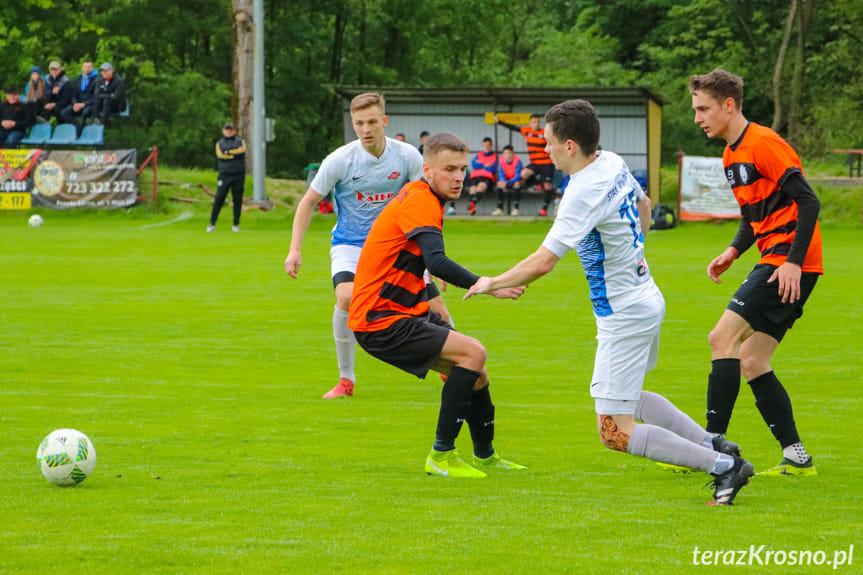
point(723, 463)
point(655, 409)
point(796, 453)
point(346, 344)
point(660, 444)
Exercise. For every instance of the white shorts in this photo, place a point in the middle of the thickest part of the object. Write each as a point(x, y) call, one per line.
point(628, 345)
point(344, 258)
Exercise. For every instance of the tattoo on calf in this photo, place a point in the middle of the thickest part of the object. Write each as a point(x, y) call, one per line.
point(612, 436)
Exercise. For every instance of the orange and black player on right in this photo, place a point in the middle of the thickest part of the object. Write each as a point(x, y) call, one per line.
point(390, 315)
point(540, 168)
point(780, 216)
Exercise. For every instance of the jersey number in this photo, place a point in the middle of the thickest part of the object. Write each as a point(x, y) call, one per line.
point(629, 210)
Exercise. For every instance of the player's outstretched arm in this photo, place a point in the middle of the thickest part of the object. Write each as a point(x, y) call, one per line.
point(533, 267)
point(302, 219)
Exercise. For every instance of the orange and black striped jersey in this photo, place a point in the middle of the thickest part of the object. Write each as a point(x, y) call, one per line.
point(757, 166)
point(535, 140)
point(389, 283)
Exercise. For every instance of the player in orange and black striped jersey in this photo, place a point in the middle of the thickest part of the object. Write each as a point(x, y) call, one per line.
point(540, 169)
point(780, 216)
point(390, 315)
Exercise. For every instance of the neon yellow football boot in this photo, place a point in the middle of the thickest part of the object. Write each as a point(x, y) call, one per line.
point(449, 464)
point(496, 463)
point(788, 467)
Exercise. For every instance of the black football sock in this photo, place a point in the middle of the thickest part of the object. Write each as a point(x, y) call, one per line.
point(773, 402)
point(454, 405)
point(480, 421)
point(723, 385)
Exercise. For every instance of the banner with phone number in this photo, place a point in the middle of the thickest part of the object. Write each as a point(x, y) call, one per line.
point(16, 168)
point(64, 179)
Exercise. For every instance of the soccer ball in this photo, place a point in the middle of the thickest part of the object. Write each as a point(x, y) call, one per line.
point(66, 457)
point(35, 221)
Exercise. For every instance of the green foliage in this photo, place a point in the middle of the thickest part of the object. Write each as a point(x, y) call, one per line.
point(441, 43)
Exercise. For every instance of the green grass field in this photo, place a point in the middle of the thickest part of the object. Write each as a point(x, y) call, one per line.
point(196, 366)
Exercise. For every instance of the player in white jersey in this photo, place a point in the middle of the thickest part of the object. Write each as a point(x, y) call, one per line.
point(604, 216)
point(364, 176)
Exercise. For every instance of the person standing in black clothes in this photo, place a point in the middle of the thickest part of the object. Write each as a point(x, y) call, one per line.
point(231, 154)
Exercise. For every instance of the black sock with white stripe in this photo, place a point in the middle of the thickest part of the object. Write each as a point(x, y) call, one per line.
point(454, 405)
point(480, 421)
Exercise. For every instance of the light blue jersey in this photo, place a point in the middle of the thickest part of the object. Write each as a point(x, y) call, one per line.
point(364, 184)
point(598, 217)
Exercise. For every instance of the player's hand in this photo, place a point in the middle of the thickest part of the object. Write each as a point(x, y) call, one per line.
point(482, 285)
point(721, 263)
point(788, 275)
point(442, 283)
point(508, 293)
point(293, 263)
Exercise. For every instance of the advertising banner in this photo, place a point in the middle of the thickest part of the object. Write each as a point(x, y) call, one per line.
point(65, 179)
point(705, 193)
point(16, 168)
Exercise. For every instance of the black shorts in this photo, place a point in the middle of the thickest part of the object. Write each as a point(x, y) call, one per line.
point(760, 304)
point(542, 172)
point(476, 181)
point(412, 344)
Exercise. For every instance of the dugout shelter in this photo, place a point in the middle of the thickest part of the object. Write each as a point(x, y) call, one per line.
point(630, 117)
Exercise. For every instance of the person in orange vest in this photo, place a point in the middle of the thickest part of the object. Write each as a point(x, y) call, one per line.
point(540, 169)
point(482, 175)
point(508, 175)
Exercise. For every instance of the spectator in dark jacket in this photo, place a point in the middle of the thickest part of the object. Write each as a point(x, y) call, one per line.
point(231, 154)
point(14, 119)
point(58, 92)
point(110, 97)
point(83, 89)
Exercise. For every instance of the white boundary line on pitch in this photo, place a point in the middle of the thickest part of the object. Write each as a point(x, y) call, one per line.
point(181, 218)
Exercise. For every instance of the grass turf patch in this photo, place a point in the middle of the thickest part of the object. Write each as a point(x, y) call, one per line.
point(196, 366)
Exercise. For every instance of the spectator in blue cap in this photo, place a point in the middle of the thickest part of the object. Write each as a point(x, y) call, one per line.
point(34, 92)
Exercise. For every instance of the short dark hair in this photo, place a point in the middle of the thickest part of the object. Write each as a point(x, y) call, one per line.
point(720, 85)
point(532, 116)
point(508, 147)
point(575, 120)
point(443, 141)
point(487, 139)
point(423, 133)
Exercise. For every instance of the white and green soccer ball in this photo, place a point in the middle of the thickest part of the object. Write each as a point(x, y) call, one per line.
point(66, 457)
point(35, 221)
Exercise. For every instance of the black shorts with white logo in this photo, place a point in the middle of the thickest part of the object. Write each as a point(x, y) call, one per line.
point(760, 304)
point(542, 172)
point(489, 184)
point(412, 344)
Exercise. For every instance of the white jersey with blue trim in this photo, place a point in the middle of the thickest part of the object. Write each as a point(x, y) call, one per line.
point(363, 184)
point(598, 217)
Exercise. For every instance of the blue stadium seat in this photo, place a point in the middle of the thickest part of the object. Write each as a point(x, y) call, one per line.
point(39, 134)
point(64, 134)
point(125, 112)
point(93, 135)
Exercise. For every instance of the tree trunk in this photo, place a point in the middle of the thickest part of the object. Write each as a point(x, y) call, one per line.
point(777, 71)
point(795, 127)
point(243, 42)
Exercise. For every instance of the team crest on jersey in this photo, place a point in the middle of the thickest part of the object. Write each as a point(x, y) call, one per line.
point(741, 174)
point(394, 176)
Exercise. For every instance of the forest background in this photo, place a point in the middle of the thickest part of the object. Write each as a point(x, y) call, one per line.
point(802, 61)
